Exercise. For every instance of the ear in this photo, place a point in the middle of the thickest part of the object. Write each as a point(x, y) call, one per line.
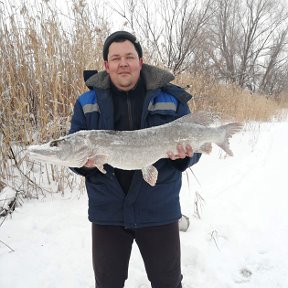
point(141, 62)
point(106, 65)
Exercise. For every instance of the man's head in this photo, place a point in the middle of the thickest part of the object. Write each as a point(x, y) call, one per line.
point(118, 36)
point(122, 55)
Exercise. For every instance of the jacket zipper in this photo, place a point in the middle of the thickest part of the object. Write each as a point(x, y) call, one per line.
point(129, 107)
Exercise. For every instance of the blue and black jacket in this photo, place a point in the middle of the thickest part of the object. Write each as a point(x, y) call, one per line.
point(143, 205)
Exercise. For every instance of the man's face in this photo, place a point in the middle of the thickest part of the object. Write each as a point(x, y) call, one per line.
point(123, 65)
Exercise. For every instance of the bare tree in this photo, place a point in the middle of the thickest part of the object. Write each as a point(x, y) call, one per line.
point(247, 41)
point(224, 38)
point(276, 59)
point(172, 30)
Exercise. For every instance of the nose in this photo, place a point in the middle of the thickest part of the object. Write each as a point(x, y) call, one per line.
point(123, 62)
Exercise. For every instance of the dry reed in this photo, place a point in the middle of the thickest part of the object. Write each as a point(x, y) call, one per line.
point(229, 101)
point(42, 62)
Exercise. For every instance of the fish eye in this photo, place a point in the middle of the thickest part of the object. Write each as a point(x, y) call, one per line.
point(55, 143)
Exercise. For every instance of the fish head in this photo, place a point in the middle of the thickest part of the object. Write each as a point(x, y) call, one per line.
point(69, 151)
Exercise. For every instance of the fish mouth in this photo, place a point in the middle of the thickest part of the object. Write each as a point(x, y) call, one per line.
point(42, 152)
point(56, 161)
point(47, 154)
point(37, 154)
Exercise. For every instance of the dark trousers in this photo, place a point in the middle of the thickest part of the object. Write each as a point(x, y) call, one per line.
point(159, 247)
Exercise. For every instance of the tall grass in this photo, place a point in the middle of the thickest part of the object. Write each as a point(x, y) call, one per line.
point(228, 101)
point(41, 65)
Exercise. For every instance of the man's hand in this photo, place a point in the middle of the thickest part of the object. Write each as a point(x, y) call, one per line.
point(181, 152)
point(90, 163)
point(97, 161)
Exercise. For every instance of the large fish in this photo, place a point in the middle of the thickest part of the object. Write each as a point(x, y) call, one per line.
point(139, 149)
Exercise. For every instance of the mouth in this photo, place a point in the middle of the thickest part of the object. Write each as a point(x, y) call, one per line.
point(124, 74)
point(55, 160)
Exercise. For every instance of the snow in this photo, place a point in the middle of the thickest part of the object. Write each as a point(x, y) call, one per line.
point(239, 240)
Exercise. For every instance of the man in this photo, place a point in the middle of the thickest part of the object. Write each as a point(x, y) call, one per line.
point(130, 95)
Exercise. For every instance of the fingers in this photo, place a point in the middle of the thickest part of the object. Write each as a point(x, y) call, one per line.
point(171, 155)
point(181, 152)
point(189, 151)
point(90, 163)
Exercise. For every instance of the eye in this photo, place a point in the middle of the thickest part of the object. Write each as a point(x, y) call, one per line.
point(55, 143)
point(114, 59)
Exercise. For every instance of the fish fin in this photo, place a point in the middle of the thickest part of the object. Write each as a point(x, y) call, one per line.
point(199, 117)
point(99, 161)
point(150, 174)
point(230, 130)
point(206, 148)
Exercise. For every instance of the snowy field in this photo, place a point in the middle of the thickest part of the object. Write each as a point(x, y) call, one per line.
point(239, 241)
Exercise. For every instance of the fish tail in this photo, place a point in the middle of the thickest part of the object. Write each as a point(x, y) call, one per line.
point(230, 130)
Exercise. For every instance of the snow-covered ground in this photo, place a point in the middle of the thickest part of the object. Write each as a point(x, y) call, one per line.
point(239, 241)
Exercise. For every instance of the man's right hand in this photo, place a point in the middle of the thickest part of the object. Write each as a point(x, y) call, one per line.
point(90, 163)
point(97, 161)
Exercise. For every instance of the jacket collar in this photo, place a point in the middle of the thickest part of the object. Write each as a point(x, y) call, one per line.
point(154, 78)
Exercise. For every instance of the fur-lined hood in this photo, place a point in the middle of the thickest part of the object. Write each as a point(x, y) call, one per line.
point(154, 78)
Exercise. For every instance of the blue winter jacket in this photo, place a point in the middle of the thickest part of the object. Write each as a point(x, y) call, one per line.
point(143, 205)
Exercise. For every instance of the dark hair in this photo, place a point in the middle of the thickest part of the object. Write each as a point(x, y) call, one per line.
point(121, 36)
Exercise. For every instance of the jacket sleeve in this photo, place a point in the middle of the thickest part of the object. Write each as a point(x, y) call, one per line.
point(78, 122)
point(183, 164)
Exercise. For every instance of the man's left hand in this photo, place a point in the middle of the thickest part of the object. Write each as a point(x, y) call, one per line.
point(182, 152)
